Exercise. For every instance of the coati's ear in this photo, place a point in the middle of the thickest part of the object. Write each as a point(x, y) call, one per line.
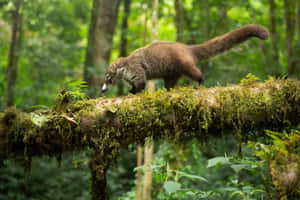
point(120, 70)
point(112, 68)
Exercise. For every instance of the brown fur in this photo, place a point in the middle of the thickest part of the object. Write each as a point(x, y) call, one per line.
point(170, 60)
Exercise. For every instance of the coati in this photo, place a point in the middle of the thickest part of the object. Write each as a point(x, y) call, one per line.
point(170, 60)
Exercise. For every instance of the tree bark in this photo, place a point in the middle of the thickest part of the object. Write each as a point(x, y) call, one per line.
point(223, 20)
point(298, 30)
point(140, 147)
point(102, 27)
point(124, 28)
point(14, 53)
point(289, 27)
point(274, 38)
point(99, 189)
point(148, 169)
point(154, 36)
point(123, 45)
point(139, 192)
point(179, 20)
point(261, 43)
point(149, 145)
point(106, 125)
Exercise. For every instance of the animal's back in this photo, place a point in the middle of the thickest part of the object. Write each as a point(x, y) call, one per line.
point(162, 59)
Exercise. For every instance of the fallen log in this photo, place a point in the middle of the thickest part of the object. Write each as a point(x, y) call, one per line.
point(106, 124)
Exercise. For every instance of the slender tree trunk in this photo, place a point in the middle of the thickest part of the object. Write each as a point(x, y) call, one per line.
point(14, 53)
point(98, 172)
point(139, 195)
point(261, 43)
point(102, 27)
point(124, 33)
point(140, 147)
point(149, 141)
point(145, 24)
point(289, 35)
point(154, 32)
point(179, 20)
point(274, 38)
point(298, 30)
point(223, 18)
point(124, 28)
point(147, 170)
point(154, 36)
point(208, 22)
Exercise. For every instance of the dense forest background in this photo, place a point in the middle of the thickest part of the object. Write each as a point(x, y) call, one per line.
point(54, 48)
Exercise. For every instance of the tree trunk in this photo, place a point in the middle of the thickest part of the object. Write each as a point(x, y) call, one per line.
point(102, 27)
point(298, 30)
point(139, 193)
point(98, 172)
point(123, 45)
point(149, 145)
point(260, 42)
point(14, 53)
point(147, 169)
point(140, 147)
point(179, 20)
point(222, 17)
point(124, 28)
point(274, 39)
point(154, 31)
point(154, 36)
point(289, 24)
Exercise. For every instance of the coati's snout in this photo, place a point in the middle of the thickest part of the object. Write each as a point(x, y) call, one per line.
point(108, 82)
point(104, 87)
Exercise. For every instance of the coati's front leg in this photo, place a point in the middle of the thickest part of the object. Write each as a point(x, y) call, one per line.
point(170, 82)
point(137, 87)
point(137, 79)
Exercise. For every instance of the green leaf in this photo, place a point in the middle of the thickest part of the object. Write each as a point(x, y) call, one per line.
point(227, 189)
point(237, 193)
point(191, 176)
point(238, 167)
point(257, 191)
point(217, 160)
point(171, 186)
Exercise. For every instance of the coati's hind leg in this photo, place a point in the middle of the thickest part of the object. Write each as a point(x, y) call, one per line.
point(170, 82)
point(194, 73)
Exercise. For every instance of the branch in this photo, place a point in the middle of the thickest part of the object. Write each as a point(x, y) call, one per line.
point(177, 115)
point(107, 124)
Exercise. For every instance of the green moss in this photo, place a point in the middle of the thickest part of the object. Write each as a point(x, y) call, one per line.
point(178, 115)
point(283, 157)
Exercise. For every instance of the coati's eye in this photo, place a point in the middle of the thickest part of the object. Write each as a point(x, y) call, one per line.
point(108, 78)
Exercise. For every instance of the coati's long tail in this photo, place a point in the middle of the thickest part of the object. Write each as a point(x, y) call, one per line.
point(229, 40)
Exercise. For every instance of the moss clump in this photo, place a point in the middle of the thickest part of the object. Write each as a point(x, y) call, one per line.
point(249, 80)
point(283, 157)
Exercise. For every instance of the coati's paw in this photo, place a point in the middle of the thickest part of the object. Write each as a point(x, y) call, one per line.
point(201, 81)
point(133, 91)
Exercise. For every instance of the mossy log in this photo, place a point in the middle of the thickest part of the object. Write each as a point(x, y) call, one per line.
point(106, 124)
